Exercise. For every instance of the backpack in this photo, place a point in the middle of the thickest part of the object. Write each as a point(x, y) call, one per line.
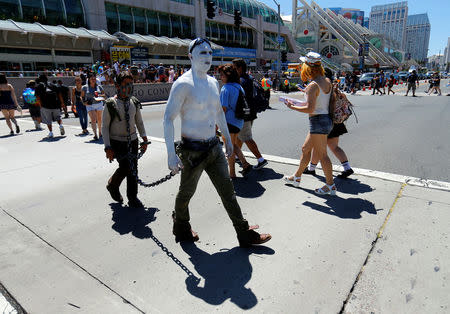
point(259, 102)
point(340, 107)
point(111, 105)
point(29, 96)
point(242, 110)
point(51, 96)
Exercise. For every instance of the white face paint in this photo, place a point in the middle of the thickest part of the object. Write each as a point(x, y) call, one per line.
point(201, 58)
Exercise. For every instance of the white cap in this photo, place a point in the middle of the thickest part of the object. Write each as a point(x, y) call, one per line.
point(311, 57)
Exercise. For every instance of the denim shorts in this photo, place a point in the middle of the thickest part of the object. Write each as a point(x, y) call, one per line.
point(95, 107)
point(320, 124)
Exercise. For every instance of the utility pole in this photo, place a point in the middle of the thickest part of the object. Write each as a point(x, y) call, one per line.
point(279, 43)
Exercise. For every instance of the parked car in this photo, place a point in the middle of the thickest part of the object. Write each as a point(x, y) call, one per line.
point(403, 76)
point(366, 78)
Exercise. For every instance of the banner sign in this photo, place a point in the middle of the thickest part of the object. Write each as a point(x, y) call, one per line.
point(139, 53)
point(120, 53)
point(229, 52)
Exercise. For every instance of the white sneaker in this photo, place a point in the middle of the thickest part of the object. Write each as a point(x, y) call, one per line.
point(61, 130)
point(50, 135)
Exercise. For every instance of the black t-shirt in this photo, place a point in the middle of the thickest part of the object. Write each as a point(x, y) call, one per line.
point(247, 85)
point(412, 78)
point(48, 94)
point(64, 90)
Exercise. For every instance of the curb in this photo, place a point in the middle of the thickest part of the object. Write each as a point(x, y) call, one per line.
point(413, 181)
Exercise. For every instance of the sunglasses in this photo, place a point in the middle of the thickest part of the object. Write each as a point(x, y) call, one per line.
point(199, 41)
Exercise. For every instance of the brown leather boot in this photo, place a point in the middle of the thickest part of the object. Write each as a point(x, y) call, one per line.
point(251, 237)
point(183, 231)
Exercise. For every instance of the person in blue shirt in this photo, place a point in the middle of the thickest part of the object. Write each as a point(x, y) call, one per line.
point(228, 98)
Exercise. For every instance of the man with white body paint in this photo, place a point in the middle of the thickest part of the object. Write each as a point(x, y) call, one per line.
point(195, 97)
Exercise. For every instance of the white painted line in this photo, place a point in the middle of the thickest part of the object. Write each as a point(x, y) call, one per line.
point(432, 184)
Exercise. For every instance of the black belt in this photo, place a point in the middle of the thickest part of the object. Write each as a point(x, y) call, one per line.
point(199, 145)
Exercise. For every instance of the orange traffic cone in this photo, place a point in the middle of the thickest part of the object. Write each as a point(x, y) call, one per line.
point(396, 83)
point(364, 88)
point(401, 83)
point(370, 87)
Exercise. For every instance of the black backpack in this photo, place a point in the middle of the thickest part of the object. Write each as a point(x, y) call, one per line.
point(259, 102)
point(51, 97)
point(242, 109)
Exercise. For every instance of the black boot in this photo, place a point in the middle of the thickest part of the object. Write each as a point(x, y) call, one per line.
point(183, 231)
point(251, 237)
point(113, 189)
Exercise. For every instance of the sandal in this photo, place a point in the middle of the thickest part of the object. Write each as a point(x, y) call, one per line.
point(326, 190)
point(292, 180)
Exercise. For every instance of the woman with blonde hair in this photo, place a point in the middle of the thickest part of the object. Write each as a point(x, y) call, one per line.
point(317, 102)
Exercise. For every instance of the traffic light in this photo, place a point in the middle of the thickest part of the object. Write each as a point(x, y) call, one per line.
point(237, 18)
point(210, 9)
point(283, 56)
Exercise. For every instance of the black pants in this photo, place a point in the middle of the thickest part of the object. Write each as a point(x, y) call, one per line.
point(267, 94)
point(120, 150)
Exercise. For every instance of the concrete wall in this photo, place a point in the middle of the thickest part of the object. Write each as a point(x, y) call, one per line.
point(144, 92)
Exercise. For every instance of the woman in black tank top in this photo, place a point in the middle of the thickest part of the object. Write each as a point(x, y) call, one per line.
point(8, 103)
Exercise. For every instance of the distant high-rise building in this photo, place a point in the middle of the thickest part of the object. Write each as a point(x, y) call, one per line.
point(447, 55)
point(356, 15)
point(417, 36)
point(390, 20)
point(366, 22)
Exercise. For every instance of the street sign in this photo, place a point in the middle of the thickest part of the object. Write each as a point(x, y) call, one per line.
point(280, 40)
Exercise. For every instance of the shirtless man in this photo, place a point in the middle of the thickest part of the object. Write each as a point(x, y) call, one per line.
point(195, 97)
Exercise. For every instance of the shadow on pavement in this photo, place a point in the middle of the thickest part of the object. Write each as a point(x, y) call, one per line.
point(352, 186)
point(52, 139)
point(9, 135)
point(225, 273)
point(133, 220)
point(34, 130)
point(94, 141)
point(249, 186)
point(350, 208)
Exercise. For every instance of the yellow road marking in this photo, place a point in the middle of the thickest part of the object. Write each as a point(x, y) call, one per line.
point(399, 194)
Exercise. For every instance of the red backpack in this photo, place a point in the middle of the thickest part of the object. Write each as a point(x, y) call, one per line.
point(340, 107)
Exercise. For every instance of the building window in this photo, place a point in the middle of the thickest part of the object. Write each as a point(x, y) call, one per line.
point(72, 53)
point(33, 11)
point(9, 9)
point(112, 17)
point(140, 21)
point(164, 24)
point(188, 30)
point(176, 26)
point(183, 1)
point(54, 12)
point(153, 23)
point(75, 13)
point(126, 19)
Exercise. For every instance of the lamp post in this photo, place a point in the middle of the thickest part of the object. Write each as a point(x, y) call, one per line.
point(279, 43)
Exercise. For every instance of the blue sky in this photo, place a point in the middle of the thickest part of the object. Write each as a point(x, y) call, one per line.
point(438, 14)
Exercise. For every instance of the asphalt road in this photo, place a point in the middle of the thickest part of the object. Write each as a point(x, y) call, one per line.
point(395, 134)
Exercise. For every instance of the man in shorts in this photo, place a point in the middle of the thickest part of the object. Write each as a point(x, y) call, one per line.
point(245, 135)
point(413, 79)
point(50, 99)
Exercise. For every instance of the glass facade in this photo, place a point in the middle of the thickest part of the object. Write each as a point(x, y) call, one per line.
point(52, 12)
point(142, 21)
point(183, 1)
point(9, 9)
point(271, 44)
point(74, 13)
point(230, 36)
point(248, 8)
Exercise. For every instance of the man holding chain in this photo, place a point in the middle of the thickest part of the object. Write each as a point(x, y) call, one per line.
point(195, 97)
point(121, 117)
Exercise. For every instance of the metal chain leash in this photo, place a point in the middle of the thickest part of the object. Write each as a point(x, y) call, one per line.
point(132, 157)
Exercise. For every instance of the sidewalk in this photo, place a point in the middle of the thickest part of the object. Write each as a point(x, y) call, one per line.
point(380, 245)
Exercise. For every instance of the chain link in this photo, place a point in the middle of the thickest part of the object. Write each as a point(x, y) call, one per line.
point(132, 157)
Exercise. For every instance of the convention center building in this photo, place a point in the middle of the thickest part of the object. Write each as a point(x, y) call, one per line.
point(44, 34)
